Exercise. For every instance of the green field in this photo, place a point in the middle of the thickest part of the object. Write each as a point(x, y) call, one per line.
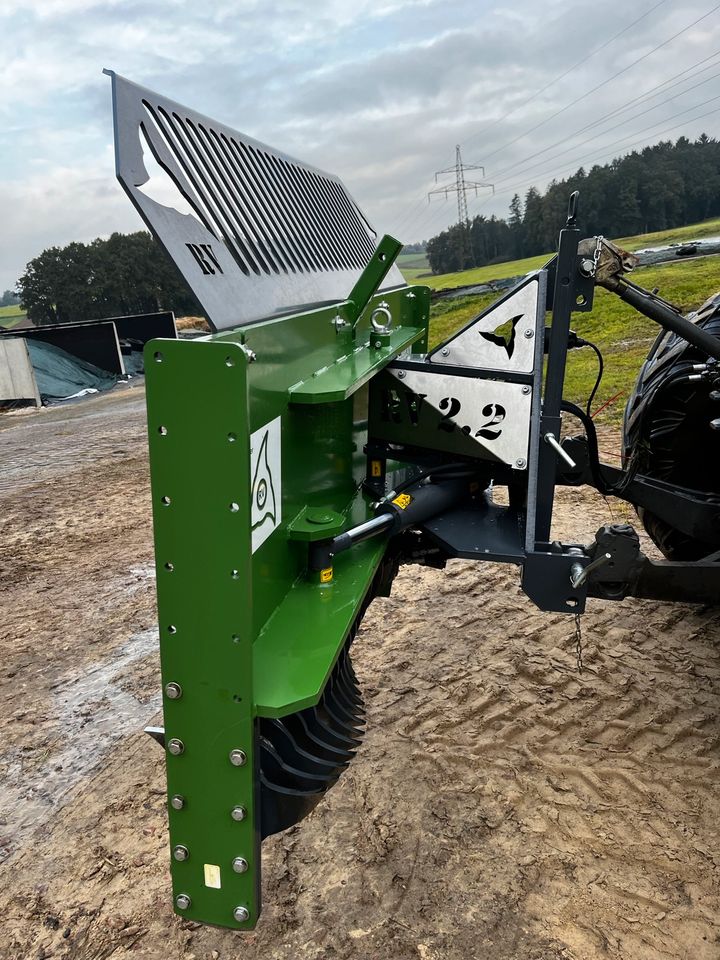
point(514, 268)
point(413, 265)
point(696, 231)
point(10, 316)
point(623, 336)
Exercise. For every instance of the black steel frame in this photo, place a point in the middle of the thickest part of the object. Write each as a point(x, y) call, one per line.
point(520, 533)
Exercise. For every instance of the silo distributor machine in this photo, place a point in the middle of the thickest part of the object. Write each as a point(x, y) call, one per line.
point(311, 444)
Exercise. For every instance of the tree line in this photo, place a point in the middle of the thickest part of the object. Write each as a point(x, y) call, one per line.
point(9, 299)
point(660, 187)
point(125, 274)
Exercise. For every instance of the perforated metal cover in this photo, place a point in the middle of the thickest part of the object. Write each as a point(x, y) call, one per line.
point(253, 231)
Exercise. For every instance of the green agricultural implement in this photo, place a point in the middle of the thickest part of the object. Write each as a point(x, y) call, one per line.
point(311, 444)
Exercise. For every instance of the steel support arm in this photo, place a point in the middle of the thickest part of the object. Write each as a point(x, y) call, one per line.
point(675, 582)
point(644, 302)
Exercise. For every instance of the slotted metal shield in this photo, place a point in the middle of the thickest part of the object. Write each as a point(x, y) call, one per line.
point(254, 232)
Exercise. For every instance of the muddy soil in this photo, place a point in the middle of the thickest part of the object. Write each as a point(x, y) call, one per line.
point(502, 806)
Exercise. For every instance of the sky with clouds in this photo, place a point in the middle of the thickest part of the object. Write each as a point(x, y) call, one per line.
point(377, 92)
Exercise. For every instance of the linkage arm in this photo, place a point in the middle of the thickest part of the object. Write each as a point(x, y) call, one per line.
point(612, 262)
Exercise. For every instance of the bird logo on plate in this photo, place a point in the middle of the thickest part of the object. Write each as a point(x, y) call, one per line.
point(265, 503)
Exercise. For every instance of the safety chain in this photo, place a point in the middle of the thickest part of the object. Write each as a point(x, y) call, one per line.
point(578, 644)
point(596, 255)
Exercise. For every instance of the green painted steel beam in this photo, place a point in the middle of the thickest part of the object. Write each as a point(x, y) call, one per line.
point(374, 273)
point(342, 378)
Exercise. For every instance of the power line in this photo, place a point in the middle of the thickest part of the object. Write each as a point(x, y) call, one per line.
point(561, 76)
point(568, 170)
point(502, 176)
point(609, 150)
point(649, 94)
point(599, 86)
point(420, 203)
point(637, 133)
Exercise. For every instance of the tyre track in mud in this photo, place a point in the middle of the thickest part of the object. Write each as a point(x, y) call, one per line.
point(502, 805)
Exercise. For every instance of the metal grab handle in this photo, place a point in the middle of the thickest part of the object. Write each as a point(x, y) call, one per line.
point(550, 438)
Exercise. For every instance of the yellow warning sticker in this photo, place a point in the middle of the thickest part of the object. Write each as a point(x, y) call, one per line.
point(212, 875)
point(375, 468)
point(403, 500)
point(326, 575)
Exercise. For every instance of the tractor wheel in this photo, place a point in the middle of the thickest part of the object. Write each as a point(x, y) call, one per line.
point(667, 433)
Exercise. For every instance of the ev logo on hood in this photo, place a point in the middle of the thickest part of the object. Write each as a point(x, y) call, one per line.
point(265, 482)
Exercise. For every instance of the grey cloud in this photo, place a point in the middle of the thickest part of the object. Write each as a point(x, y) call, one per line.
point(378, 93)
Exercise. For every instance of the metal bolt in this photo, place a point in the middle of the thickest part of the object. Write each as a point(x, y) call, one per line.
point(529, 334)
point(238, 813)
point(180, 852)
point(520, 463)
point(445, 352)
point(587, 268)
point(238, 758)
point(183, 901)
point(579, 574)
point(401, 374)
point(526, 389)
point(173, 691)
point(177, 802)
point(241, 914)
point(176, 747)
point(377, 344)
point(240, 865)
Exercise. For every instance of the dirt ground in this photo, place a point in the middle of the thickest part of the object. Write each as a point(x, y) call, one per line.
point(502, 805)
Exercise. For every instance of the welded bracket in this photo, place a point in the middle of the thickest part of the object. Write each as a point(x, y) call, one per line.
point(477, 394)
point(547, 580)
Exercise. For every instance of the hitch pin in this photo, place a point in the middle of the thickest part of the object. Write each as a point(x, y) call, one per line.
point(579, 573)
point(550, 438)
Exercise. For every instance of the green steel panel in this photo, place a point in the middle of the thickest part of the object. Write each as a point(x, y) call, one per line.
point(292, 662)
point(245, 630)
point(199, 450)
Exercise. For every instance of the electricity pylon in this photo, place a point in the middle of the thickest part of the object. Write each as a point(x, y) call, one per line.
point(460, 187)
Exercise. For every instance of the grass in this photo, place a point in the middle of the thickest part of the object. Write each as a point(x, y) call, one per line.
point(516, 268)
point(496, 271)
point(623, 336)
point(10, 316)
point(413, 265)
point(696, 231)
